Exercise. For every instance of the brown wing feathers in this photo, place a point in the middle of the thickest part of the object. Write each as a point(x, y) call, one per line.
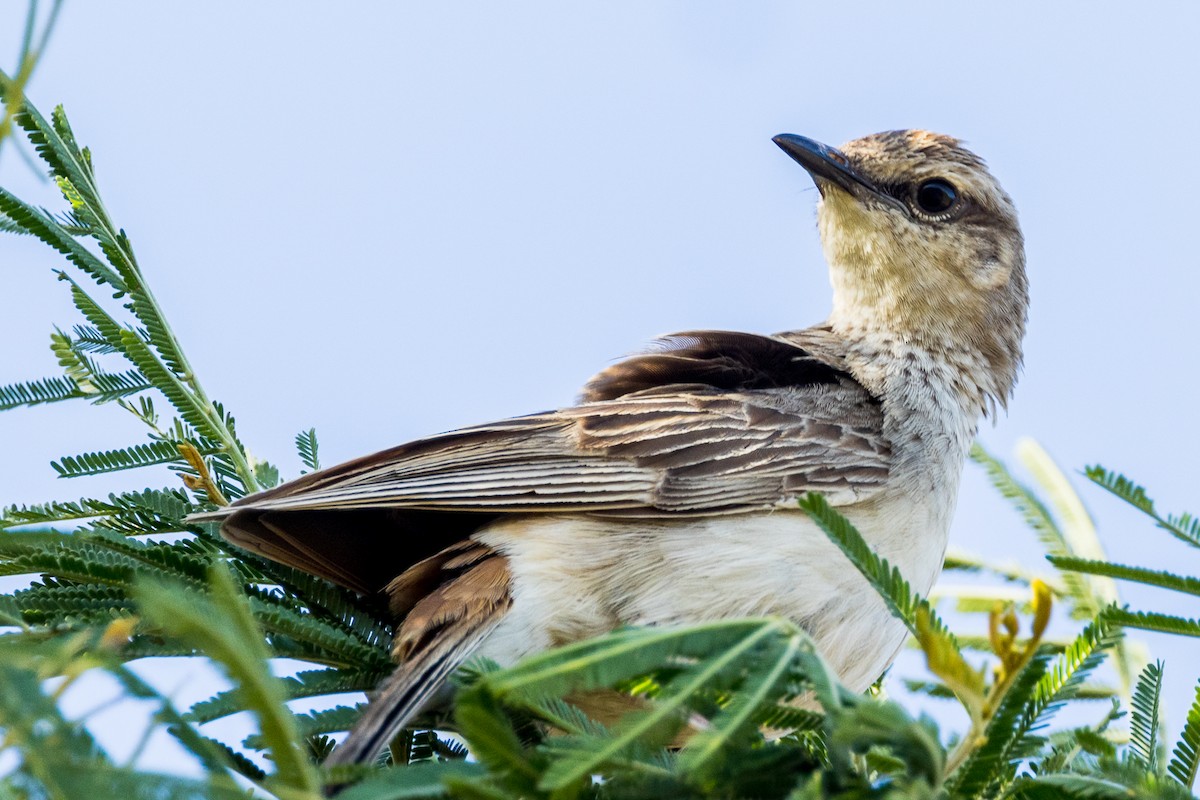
point(725, 360)
point(449, 604)
point(361, 549)
point(713, 423)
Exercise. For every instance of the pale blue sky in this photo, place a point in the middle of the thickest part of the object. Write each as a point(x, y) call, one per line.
point(387, 220)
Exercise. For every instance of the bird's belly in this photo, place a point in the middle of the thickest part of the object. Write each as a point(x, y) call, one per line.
point(575, 577)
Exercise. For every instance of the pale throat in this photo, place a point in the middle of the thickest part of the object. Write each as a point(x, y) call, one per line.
point(887, 281)
point(886, 299)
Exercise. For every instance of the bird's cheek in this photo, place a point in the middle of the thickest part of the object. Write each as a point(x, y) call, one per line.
point(991, 274)
point(991, 268)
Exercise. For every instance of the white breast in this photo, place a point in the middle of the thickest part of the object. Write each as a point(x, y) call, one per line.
point(577, 576)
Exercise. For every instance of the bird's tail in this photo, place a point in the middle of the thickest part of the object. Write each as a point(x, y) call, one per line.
point(438, 634)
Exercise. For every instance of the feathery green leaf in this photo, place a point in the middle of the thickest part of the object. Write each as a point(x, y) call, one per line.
point(1144, 721)
point(62, 156)
point(1185, 527)
point(1062, 681)
point(89, 339)
point(1163, 579)
point(135, 457)
point(1186, 757)
point(311, 683)
point(222, 626)
point(339, 718)
point(105, 387)
point(886, 579)
point(306, 446)
point(413, 783)
point(992, 763)
point(39, 223)
point(1154, 621)
point(1039, 519)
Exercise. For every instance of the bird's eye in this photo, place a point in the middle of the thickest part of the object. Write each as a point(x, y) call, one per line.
point(936, 196)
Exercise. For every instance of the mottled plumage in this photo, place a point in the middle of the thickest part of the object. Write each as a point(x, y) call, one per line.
point(667, 494)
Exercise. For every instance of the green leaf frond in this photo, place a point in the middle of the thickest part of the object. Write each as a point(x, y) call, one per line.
point(95, 556)
point(1088, 787)
point(31, 720)
point(784, 717)
point(1185, 758)
point(1010, 571)
point(323, 600)
point(92, 381)
point(1062, 681)
point(993, 763)
point(1041, 522)
point(135, 457)
point(771, 675)
point(55, 145)
point(104, 387)
point(147, 511)
point(429, 780)
point(896, 592)
point(633, 652)
point(1159, 578)
point(95, 566)
point(301, 635)
point(1154, 621)
point(738, 672)
point(311, 683)
point(39, 223)
point(72, 605)
point(1145, 723)
point(340, 718)
point(306, 446)
point(89, 339)
point(9, 225)
point(218, 756)
point(1078, 748)
point(150, 345)
point(266, 473)
point(220, 624)
point(426, 745)
point(1185, 527)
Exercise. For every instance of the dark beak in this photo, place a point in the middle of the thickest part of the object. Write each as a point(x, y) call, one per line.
point(829, 165)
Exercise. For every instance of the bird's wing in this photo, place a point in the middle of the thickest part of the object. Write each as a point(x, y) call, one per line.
point(710, 423)
point(713, 423)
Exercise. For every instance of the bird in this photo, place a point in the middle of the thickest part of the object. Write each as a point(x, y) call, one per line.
point(667, 494)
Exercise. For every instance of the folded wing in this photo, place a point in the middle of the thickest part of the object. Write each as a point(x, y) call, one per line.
point(711, 423)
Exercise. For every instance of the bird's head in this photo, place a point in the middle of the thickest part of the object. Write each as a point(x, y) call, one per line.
point(923, 246)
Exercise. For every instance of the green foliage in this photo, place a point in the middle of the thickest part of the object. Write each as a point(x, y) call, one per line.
point(100, 387)
point(1185, 526)
point(220, 625)
point(95, 569)
point(991, 762)
point(136, 332)
point(885, 578)
point(730, 669)
point(306, 446)
point(1160, 578)
point(1186, 757)
point(1039, 519)
point(117, 578)
point(1144, 722)
point(139, 455)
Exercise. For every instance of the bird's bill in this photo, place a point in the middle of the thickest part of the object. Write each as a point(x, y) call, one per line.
point(829, 165)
